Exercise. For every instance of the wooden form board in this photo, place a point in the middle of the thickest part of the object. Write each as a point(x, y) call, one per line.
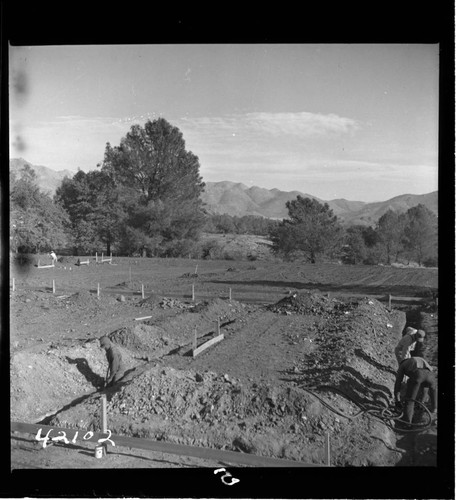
point(207, 344)
point(222, 456)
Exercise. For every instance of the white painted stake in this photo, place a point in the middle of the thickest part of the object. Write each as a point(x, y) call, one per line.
point(230, 294)
point(96, 257)
point(327, 450)
point(53, 286)
point(104, 415)
point(98, 289)
point(218, 326)
point(130, 275)
point(196, 269)
point(389, 301)
point(193, 293)
point(14, 285)
point(142, 290)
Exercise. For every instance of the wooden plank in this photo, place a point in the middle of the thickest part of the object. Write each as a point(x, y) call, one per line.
point(207, 344)
point(171, 448)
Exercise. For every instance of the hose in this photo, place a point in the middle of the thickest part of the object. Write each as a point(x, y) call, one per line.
point(379, 412)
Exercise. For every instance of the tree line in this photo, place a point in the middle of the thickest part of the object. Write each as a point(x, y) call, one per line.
point(312, 232)
point(144, 199)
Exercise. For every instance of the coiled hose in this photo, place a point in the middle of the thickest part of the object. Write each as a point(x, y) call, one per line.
point(380, 412)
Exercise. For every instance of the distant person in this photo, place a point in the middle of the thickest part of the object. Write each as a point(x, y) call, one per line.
point(116, 367)
point(53, 256)
point(420, 376)
point(407, 343)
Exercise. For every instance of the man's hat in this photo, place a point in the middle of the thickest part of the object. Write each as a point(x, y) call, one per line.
point(420, 335)
point(105, 342)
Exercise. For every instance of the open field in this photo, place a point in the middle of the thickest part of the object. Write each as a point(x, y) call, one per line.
point(307, 352)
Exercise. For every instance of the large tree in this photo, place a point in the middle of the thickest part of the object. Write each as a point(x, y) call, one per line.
point(311, 229)
point(95, 208)
point(36, 223)
point(421, 234)
point(153, 163)
point(390, 231)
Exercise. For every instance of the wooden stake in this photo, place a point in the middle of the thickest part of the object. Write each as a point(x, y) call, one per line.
point(98, 290)
point(389, 301)
point(104, 415)
point(142, 290)
point(195, 340)
point(53, 286)
point(96, 257)
point(130, 275)
point(193, 293)
point(14, 285)
point(196, 269)
point(327, 451)
point(230, 294)
point(218, 326)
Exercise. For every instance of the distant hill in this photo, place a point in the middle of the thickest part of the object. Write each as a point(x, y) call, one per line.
point(235, 198)
point(48, 180)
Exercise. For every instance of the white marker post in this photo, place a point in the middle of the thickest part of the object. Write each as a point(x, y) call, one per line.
point(230, 294)
point(218, 326)
point(14, 285)
point(96, 257)
point(389, 301)
point(193, 293)
point(104, 416)
point(327, 451)
point(53, 286)
point(142, 290)
point(98, 290)
point(196, 269)
point(130, 275)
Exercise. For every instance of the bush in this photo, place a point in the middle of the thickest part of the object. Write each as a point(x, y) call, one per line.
point(431, 262)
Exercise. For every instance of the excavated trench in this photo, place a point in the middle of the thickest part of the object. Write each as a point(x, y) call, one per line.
point(341, 365)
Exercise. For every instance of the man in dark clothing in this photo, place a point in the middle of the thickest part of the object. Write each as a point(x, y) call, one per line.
point(420, 375)
point(116, 367)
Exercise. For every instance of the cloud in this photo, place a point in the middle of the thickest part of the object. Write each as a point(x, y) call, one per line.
point(301, 124)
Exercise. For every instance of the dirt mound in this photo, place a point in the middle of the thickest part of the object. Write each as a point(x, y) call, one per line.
point(354, 353)
point(310, 302)
point(144, 338)
point(189, 275)
point(44, 382)
point(154, 302)
point(218, 411)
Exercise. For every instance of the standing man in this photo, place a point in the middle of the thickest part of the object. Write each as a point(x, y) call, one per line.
point(420, 376)
point(53, 256)
point(116, 367)
point(407, 343)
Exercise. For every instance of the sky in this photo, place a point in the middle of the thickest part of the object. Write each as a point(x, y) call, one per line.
point(350, 121)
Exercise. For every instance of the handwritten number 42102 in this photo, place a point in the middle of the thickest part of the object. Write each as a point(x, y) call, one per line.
point(63, 437)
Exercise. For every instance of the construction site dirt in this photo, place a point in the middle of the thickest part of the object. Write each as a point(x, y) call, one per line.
point(306, 358)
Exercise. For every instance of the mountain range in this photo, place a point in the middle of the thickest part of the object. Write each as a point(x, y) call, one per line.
point(233, 198)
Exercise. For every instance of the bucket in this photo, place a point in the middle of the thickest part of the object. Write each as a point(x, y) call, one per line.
point(99, 451)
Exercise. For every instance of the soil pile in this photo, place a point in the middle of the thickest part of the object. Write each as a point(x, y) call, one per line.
point(218, 411)
point(311, 302)
point(44, 382)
